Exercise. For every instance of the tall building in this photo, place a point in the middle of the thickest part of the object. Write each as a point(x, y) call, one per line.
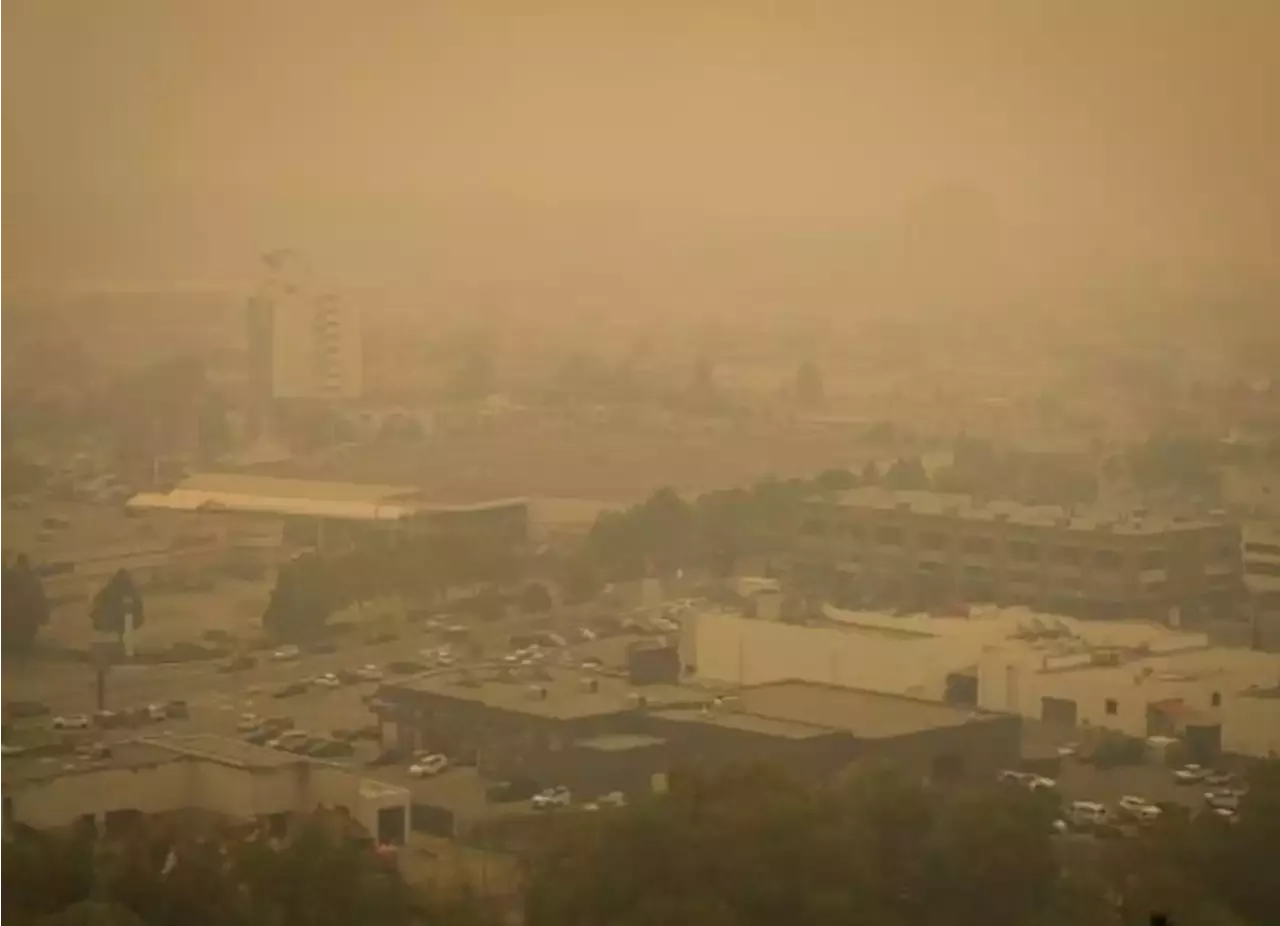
point(303, 344)
point(959, 548)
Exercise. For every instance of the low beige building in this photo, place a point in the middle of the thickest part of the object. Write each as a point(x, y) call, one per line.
point(204, 772)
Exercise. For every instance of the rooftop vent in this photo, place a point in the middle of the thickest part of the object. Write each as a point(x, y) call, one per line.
point(590, 685)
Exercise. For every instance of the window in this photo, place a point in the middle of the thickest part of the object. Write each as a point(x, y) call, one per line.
point(853, 531)
point(1225, 551)
point(1111, 706)
point(1264, 549)
point(1262, 569)
point(1153, 559)
point(933, 540)
point(890, 536)
point(1069, 555)
point(1106, 559)
point(1023, 552)
point(977, 545)
point(1215, 699)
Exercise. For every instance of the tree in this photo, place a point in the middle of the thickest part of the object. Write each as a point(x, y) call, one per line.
point(810, 385)
point(117, 600)
point(26, 608)
point(302, 600)
point(870, 474)
point(907, 474)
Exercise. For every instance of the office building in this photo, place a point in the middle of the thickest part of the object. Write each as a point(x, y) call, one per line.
point(954, 548)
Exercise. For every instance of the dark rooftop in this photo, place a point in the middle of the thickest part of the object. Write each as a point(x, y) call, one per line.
point(551, 692)
point(620, 742)
point(26, 769)
point(734, 719)
point(224, 750)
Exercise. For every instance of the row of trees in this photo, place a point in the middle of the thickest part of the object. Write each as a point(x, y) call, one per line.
point(752, 847)
point(189, 874)
point(739, 847)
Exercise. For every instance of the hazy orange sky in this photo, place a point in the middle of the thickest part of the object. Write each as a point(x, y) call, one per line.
point(719, 146)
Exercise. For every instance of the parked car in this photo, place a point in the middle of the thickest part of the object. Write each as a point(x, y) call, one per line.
point(328, 749)
point(328, 680)
point(177, 709)
point(1087, 813)
point(519, 789)
point(1190, 774)
point(238, 664)
point(71, 722)
point(1219, 779)
point(347, 676)
point(156, 713)
point(368, 673)
point(248, 722)
point(107, 720)
point(428, 766)
point(289, 740)
point(552, 798)
point(1222, 800)
point(1139, 808)
point(386, 757)
point(286, 653)
point(291, 690)
point(25, 710)
point(406, 667)
point(259, 736)
point(612, 799)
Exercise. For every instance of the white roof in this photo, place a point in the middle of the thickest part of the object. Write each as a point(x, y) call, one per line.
point(270, 495)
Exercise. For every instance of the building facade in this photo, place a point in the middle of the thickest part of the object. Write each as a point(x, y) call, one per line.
point(953, 548)
point(200, 772)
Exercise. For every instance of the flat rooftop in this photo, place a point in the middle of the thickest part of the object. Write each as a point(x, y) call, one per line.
point(209, 747)
point(620, 742)
point(964, 507)
point(25, 769)
point(865, 714)
point(283, 497)
point(748, 723)
point(553, 692)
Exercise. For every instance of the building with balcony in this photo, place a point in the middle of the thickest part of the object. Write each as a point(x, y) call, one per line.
point(941, 548)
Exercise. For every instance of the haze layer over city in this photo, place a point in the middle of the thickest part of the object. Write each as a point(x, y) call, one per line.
point(632, 463)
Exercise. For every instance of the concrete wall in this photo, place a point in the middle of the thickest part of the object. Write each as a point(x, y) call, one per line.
point(744, 651)
point(60, 801)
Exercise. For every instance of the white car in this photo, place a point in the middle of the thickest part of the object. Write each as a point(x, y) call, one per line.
point(368, 673)
point(552, 798)
point(587, 634)
point(71, 722)
point(289, 738)
point(157, 712)
point(1222, 800)
point(612, 799)
point(1084, 813)
point(1028, 780)
point(1190, 774)
point(286, 653)
point(1137, 806)
point(428, 766)
point(248, 723)
point(444, 659)
point(328, 680)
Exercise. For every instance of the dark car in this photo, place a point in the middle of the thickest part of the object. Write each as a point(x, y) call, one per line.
point(506, 792)
point(177, 709)
point(329, 749)
point(347, 676)
point(387, 757)
point(406, 667)
point(238, 664)
point(322, 649)
point(259, 736)
point(25, 710)
point(291, 690)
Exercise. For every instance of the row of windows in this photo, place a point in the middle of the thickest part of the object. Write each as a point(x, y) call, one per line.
point(1111, 706)
point(1262, 549)
point(1019, 550)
